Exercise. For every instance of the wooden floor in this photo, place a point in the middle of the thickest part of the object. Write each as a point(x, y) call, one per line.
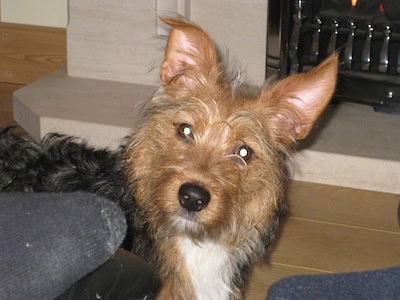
point(27, 53)
point(331, 229)
point(6, 90)
point(328, 229)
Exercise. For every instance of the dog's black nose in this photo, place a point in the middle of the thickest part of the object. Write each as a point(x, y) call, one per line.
point(193, 197)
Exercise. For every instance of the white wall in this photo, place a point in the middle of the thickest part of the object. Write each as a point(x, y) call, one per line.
point(52, 13)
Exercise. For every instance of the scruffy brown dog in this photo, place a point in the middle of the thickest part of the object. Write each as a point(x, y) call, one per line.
point(202, 179)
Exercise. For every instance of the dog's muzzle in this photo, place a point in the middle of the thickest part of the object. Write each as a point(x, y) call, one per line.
point(193, 197)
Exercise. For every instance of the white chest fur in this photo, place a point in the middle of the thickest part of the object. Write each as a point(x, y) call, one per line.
point(209, 268)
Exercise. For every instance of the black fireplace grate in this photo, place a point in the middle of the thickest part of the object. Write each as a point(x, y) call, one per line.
point(363, 32)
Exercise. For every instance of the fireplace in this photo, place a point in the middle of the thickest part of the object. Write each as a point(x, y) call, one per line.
point(366, 33)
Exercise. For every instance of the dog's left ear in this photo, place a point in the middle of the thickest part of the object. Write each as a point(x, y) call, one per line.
point(190, 57)
point(296, 102)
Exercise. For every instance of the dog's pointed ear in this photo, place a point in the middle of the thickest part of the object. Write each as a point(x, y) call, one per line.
point(190, 56)
point(298, 100)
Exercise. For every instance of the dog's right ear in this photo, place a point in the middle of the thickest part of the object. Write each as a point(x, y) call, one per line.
point(190, 57)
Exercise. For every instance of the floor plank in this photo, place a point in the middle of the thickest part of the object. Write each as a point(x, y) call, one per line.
point(6, 90)
point(30, 52)
point(265, 275)
point(6, 112)
point(336, 248)
point(6, 118)
point(343, 205)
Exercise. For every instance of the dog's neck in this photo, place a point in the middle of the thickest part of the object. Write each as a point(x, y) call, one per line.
point(210, 268)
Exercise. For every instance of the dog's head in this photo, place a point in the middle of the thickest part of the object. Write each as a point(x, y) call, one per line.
point(208, 161)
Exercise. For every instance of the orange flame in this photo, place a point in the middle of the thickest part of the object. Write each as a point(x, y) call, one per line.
point(353, 3)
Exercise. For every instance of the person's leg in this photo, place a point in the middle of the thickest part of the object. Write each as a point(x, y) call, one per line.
point(50, 241)
point(377, 284)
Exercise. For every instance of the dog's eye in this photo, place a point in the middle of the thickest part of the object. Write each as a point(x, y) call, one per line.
point(185, 131)
point(244, 152)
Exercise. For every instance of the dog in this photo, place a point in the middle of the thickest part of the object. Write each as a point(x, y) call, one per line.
point(202, 179)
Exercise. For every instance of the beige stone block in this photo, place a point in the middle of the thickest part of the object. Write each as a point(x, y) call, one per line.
point(118, 40)
point(102, 112)
point(114, 40)
point(352, 146)
point(239, 29)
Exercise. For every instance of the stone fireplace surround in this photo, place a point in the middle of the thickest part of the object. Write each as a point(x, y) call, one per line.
point(111, 48)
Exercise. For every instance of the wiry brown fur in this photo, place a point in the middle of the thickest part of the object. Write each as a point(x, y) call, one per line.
point(246, 196)
point(203, 138)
